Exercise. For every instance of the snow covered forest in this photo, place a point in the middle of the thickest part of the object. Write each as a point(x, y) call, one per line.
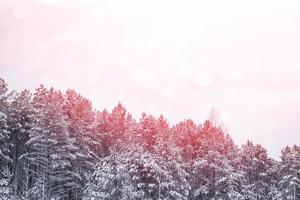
point(55, 146)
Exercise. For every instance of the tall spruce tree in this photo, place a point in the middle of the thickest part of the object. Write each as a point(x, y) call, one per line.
point(289, 176)
point(5, 135)
point(19, 122)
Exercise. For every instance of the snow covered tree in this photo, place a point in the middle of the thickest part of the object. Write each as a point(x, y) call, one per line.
point(163, 139)
point(80, 122)
point(4, 131)
point(147, 132)
point(19, 123)
point(111, 128)
point(115, 177)
point(184, 137)
point(37, 157)
point(51, 150)
point(102, 183)
point(146, 176)
point(5, 186)
point(175, 183)
point(63, 181)
point(255, 165)
point(289, 182)
point(214, 171)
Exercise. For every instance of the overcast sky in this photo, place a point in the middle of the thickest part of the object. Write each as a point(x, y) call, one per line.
point(178, 58)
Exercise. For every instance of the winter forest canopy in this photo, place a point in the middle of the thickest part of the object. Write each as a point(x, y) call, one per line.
point(55, 146)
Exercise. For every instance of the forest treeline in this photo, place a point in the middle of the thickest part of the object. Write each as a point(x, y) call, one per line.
point(55, 146)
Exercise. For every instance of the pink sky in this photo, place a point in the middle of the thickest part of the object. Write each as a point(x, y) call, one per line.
point(177, 58)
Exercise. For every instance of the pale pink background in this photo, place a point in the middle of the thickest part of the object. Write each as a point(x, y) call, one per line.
point(178, 58)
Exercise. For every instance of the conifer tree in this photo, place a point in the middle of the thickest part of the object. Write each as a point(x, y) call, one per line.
point(19, 122)
point(289, 184)
point(5, 187)
point(255, 165)
point(5, 135)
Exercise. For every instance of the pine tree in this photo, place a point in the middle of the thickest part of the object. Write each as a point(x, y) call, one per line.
point(37, 156)
point(184, 137)
point(111, 128)
point(147, 132)
point(110, 180)
point(5, 135)
point(289, 182)
point(174, 184)
point(80, 122)
point(19, 123)
point(256, 163)
point(5, 187)
point(51, 149)
point(61, 150)
point(214, 169)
